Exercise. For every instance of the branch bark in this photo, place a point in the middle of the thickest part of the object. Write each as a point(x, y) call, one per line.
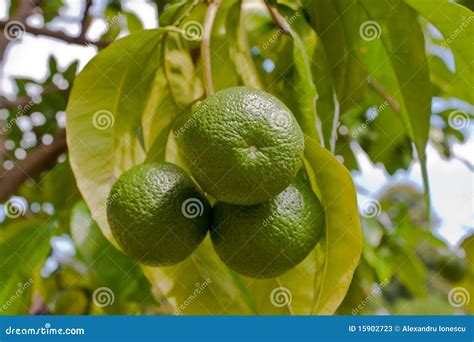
point(24, 10)
point(38, 160)
point(59, 35)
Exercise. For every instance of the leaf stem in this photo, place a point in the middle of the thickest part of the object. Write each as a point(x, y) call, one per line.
point(206, 44)
point(378, 87)
point(277, 18)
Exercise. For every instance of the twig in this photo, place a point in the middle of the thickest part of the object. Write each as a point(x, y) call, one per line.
point(277, 18)
point(38, 160)
point(385, 94)
point(59, 35)
point(85, 22)
point(24, 10)
point(206, 45)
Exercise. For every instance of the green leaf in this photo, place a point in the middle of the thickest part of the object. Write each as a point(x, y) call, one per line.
point(239, 50)
point(342, 241)
point(108, 266)
point(449, 83)
point(458, 34)
point(112, 99)
point(304, 94)
point(24, 246)
point(133, 22)
point(334, 22)
point(200, 285)
point(403, 40)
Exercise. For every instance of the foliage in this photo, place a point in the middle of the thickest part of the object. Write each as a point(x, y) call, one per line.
point(363, 74)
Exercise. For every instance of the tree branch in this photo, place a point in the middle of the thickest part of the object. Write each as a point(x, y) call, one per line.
point(38, 160)
point(206, 45)
point(24, 10)
point(85, 22)
point(59, 35)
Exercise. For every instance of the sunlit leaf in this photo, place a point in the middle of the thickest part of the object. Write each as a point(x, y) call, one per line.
point(342, 241)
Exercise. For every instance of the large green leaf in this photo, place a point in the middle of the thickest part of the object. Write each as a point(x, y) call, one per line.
point(458, 34)
point(24, 246)
point(104, 115)
point(342, 242)
point(239, 51)
point(304, 93)
point(403, 40)
point(334, 22)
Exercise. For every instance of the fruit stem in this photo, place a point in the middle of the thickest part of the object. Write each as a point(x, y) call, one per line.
point(211, 12)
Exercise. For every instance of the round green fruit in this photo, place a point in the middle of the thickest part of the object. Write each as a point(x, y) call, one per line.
point(156, 214)
point(242, 145)
point(268, 239)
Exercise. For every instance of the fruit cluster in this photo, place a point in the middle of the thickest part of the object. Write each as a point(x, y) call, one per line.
point(244, 149)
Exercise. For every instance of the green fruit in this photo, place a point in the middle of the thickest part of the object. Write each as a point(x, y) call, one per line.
point(242, 145)
point(268, 239)
point(156, 214)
